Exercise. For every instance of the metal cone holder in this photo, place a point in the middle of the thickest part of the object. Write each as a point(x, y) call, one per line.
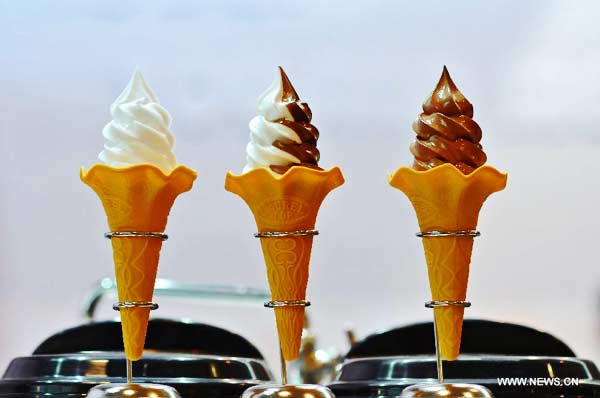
point(131, 389)
point(285, 390)
point(441, 389)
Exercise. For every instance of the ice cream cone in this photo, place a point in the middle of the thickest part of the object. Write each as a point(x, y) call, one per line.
point(445, 199)
point(136, 199)
point(281, 204)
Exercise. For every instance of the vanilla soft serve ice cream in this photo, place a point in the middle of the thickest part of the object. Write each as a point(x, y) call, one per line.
point(139, 132)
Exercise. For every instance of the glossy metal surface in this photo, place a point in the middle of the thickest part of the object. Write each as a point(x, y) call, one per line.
point(389, 376)
point(132, 234)
point(287, 303)
point(315, 365)
point(135, 304)
point(445, 390)
point(133, 391)
point(288, 391)
point(467, 368)
point(108, 366)
point(278, 234)
point(447, 303)
point(70, 375)
point(441, 234)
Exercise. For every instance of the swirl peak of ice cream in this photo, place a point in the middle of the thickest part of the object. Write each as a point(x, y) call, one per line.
point(446, 132)
point(139, 132)
point(281, 136)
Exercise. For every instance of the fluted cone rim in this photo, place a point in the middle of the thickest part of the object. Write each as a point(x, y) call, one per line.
point(264, 172)
point(451, 170)
point(181, 169)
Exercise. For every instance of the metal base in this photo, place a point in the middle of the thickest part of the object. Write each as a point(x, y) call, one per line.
point(122, 390)
point(288, 391)
point(446, 390)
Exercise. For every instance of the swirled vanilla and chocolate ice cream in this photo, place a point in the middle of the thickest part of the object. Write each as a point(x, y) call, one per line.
point(446, 132)
point(282, 136)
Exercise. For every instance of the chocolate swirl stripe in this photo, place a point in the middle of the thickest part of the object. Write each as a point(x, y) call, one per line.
point(306, 151)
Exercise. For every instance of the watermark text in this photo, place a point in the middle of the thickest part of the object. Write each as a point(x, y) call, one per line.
point(538, 381)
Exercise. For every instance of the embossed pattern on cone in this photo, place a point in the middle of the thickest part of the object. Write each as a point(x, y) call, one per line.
point(285, 203)
point(136, 199)
point(447, 200)
point(448, 261)
point(136, 264)
point(287, 260)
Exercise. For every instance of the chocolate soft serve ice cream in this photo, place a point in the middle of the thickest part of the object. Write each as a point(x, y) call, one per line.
point(447, 186)
point(446, 132)
point(281, 136)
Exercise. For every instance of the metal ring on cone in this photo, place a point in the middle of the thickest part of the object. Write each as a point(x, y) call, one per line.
point(135, 304)
point(447, 303)
point(439, 234)
point(278, 234)
point(287, 303)
point(132, 234)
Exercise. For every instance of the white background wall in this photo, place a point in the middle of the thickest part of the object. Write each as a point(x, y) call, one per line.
point(530, 69)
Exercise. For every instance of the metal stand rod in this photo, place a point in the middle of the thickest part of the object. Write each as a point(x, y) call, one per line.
point(134, 304)
point(283, 367)
point(441, 389)
point(434, 305)
point(279, 304)
point(444, 303)
point(438, 355)
point(129, 366)
point(285, 303)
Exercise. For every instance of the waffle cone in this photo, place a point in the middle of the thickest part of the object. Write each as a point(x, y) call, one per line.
point(447, 200)
point(136, 199)
point(286, 203)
